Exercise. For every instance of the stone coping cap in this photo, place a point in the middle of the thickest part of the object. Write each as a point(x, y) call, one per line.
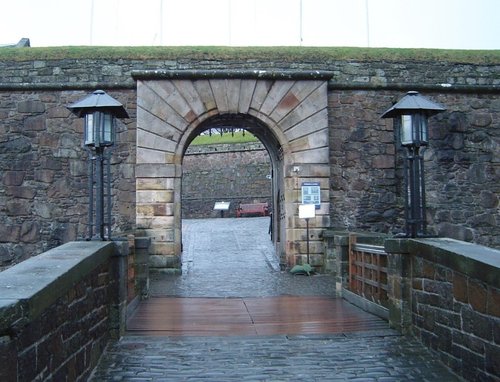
point(237, 74)
point(473, 260)
point(28, 288)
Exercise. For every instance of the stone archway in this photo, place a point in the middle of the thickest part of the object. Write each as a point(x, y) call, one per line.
point(289, 107)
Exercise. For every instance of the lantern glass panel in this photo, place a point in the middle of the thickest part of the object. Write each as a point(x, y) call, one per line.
point(414, 130)
point(107, 130)
point(89, 130)
point(407, 134)
point(423, 129)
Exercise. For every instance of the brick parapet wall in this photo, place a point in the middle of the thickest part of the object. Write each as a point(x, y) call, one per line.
point(57, 312)
point(448, 297)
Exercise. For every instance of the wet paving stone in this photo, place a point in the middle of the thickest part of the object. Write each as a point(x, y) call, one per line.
point(374, 357)
point(233, 258)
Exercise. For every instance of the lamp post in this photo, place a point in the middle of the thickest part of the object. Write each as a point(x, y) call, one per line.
point(413, 111)
point(99, 111)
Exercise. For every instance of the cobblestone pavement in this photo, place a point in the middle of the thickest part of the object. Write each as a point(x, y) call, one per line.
point(233, 258)
point(209, 270)
point(356, 357)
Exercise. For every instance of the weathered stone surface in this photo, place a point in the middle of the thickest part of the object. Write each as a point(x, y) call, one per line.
point(13, 178)
point(5, 255)
point(45, 176)
point(35, 123)
point(18, 207)
point(60, 188)
point(9, 233)
point(30, 232)
point(21, 192)
point(30, 106)
point(456, 231)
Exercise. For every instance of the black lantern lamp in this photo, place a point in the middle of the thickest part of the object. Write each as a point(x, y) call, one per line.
point(99, 111)
point(413, 111)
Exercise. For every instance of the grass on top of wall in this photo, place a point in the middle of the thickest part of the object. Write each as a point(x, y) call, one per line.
point(217, 139)
point(283, 54)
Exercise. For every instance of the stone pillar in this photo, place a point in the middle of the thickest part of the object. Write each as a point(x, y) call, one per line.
point(142, 266)
point(336, 249)
point(118, 301)
point(399, 280)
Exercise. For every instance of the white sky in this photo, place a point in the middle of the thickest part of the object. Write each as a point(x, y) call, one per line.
point(448, 24)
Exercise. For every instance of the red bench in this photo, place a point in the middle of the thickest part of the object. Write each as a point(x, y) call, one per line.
point(260, 209)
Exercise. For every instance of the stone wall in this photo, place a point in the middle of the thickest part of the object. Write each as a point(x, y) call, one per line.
point(43, 167)
point(59, 309)
point(232, 173)
point(43, 185)
point(462, 166)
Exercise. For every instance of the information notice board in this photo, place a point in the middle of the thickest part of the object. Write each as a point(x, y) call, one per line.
point(311, 194)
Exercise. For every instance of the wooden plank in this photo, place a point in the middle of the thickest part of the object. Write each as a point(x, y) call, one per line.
point(249, 316)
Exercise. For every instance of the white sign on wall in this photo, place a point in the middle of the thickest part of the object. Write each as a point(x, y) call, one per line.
point(307, 211)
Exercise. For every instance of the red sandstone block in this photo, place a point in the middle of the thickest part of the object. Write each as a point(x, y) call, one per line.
point(477, 295)
point(460, 287)
point(428, 270)
point(493, 302)
point(417, 284)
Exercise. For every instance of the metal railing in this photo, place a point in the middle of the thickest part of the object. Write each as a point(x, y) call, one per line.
point(368, 271)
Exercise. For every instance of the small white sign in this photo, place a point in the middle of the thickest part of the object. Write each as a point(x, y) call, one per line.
point(307, 211)
point(221, 206)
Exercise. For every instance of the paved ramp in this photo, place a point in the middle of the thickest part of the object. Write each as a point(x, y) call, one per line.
point(232, 316)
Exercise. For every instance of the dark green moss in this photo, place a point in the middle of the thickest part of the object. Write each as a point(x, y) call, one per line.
point(290, 54)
